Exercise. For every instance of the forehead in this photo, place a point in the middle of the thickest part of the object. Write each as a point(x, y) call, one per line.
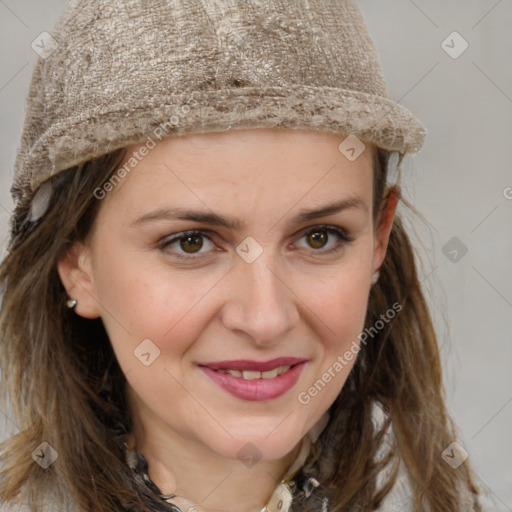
point(244, 167)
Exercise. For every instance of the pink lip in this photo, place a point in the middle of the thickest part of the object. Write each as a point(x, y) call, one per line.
point(257, 389)
point(257, 366)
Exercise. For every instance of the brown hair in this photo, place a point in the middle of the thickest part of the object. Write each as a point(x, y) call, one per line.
point(65, 386)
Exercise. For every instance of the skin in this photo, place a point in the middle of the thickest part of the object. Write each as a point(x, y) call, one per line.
point(293, 300)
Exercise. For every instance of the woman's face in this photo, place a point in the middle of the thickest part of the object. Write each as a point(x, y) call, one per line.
point(263, 284)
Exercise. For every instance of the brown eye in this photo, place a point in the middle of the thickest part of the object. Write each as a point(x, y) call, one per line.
point(326, 239)
point(187, 243)
point(317, 239)
point(191, 243)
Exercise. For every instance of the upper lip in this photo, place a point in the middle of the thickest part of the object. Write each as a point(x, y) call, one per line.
point(258, 366)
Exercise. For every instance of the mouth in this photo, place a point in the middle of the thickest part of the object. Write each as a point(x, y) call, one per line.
point(255, 380)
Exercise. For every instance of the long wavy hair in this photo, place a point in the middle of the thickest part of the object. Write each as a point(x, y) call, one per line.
point(63, 385)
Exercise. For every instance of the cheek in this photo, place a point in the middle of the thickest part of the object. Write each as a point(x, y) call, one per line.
point(344, 311)
point(140, 301)
point(165, 309)
point(340, 301)
point(339, 305)
point(345, 304)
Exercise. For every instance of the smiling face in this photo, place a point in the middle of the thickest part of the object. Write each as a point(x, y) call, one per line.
point(262, 284)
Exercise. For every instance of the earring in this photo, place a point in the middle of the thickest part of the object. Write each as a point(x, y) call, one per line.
point(71, 303)
point(375, 277)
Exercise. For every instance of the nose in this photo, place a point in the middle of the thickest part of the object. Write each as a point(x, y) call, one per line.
point(260, 303)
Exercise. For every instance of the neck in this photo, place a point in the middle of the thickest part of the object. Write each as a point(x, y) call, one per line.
point(200, 477)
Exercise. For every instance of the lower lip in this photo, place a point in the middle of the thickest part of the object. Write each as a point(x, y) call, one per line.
point(256, 389)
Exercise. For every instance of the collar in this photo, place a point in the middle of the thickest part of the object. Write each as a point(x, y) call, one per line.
point(282, 497)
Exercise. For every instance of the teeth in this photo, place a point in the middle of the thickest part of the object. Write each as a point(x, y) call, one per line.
point(253, 375)
point(235, 373)
point(283, 369)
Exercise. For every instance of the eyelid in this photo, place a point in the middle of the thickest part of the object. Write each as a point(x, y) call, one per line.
point(344, 239)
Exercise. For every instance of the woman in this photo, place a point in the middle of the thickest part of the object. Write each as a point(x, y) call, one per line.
point(209, 300)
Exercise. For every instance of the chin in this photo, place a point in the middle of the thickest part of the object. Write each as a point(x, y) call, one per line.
point(258, 444)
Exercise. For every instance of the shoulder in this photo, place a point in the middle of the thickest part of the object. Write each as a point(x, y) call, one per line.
point(11, 507)
point(400, 497)
point(49, 504)
point(48, 500)
point(50, 496)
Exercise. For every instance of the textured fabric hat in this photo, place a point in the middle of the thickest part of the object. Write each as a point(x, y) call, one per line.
point(114, 73)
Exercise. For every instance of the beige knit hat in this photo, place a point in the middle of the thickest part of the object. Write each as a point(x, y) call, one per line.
point(115, 72)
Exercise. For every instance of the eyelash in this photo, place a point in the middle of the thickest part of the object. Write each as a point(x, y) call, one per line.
point(342, 234)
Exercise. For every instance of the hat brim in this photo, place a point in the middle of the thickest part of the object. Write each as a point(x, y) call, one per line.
point(371, 118)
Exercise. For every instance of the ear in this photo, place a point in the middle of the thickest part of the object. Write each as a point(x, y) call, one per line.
point(385, 223)
point(75, 271)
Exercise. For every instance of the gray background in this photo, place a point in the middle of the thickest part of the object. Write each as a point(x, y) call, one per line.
point(458, 183)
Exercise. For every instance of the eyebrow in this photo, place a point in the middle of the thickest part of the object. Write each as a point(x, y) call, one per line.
point(215, 219)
